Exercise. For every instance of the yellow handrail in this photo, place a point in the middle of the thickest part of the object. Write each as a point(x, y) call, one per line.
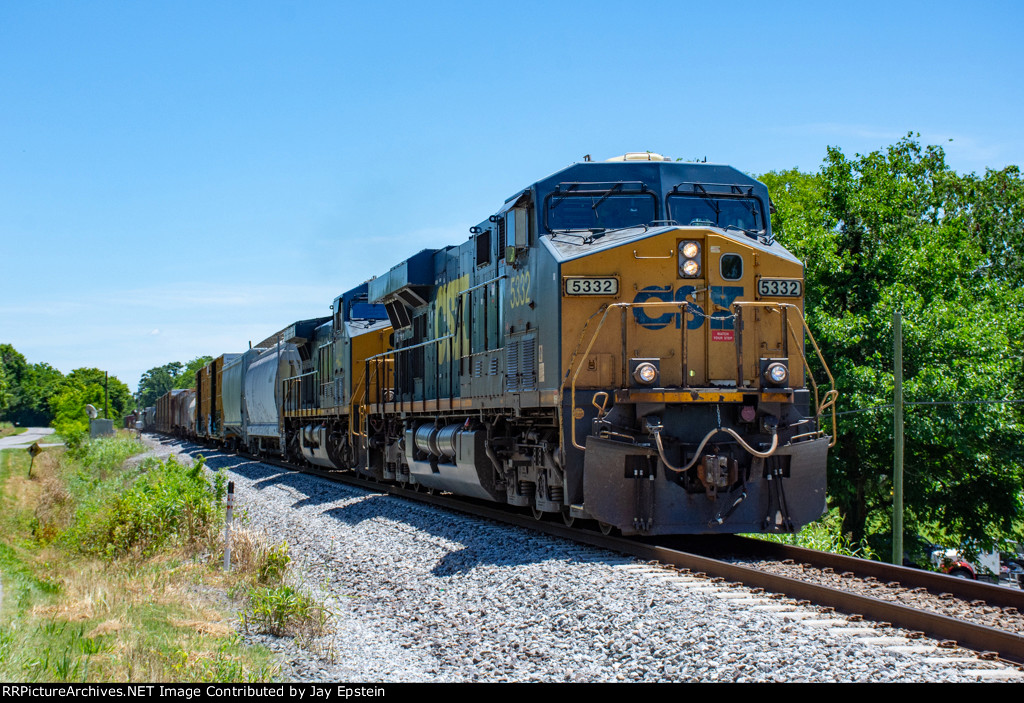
point(576, 360)
point(829, 401)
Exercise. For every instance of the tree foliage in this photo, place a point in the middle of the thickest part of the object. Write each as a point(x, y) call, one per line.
point(187, 379)
point(25, 400)
point(898, 229)
point(157, 381)
point(161, 379)
point(84, 387)
point(40, 395)
point(4, 394)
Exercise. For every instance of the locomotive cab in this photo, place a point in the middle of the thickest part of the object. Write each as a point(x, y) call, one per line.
point(684, 403)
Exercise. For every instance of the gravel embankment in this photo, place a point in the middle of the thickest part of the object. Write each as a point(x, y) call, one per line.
point(421, 594)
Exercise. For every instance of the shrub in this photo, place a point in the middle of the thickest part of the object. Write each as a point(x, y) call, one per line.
point(104, 455)
point(283, 610)
point(169, 503)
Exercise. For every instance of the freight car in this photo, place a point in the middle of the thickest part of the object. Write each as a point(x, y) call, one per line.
point(621, 341)
point(209, 401)
point(175, 413)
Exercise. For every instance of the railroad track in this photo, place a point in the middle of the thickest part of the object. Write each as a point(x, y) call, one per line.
point(956, 612)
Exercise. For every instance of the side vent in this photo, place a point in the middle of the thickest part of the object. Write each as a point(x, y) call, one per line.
point(512, 365)
point(521, 363)
point(529, 368)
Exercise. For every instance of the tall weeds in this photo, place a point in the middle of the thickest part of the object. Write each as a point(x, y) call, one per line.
point(170, 503)
point(108, 574)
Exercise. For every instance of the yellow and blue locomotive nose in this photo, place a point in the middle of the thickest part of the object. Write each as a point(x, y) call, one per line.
point(691, 356)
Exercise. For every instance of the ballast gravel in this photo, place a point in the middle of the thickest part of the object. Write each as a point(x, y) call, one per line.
point(421, 594)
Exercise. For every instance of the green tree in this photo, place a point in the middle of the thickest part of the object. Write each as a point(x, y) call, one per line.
point(29, 388)
point(899, 230)
point(160, 379)
point(4, 391)
point(86, 386)
point(157, 381)
point(187, 379)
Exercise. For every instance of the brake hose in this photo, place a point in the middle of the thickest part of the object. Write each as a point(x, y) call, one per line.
point(709, 435)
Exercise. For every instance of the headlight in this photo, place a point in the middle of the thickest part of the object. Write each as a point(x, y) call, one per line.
point(777, 373)
point(645, 373)
point(689, 259)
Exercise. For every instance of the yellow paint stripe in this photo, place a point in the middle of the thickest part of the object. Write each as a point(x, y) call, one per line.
point(677, 397)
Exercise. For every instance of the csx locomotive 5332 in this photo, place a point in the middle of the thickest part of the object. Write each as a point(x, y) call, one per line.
point(621, 341)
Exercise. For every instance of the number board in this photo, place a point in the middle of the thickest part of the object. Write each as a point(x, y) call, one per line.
point(780, 288)
point(579, 285)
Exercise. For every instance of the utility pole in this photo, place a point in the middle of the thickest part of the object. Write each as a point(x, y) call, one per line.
point(897, 478)
point(106, 396)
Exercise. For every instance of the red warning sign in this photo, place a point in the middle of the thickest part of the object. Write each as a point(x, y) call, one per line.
point(722, 336)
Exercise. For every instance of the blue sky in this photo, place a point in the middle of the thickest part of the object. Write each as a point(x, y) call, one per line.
point(178, 178)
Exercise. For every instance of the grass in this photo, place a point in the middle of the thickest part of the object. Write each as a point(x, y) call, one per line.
point(110, 573)
point(8, 430)
point(823, 535)
point(284, 610)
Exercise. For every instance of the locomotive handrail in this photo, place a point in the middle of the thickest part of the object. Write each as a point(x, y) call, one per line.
point(292, 401)
point(822, 405)
point(362, 414)
point(671, 253)
point(353, 432)
point(394, 352)
point(831, 395)
point(605, 308)
point(410, 348)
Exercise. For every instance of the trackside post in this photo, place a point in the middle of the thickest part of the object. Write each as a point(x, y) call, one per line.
point(227, 526)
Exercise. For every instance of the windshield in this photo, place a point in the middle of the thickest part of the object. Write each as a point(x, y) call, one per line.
point(599, 211)
point(367, 311)
point(744, 213)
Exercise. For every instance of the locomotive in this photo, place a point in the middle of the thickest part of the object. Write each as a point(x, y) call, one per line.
point(622, 341)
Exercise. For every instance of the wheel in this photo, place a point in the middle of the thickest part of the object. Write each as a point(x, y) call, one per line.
point(961, 574)
point(537, 514)
point(567, 518)
point(605, 528)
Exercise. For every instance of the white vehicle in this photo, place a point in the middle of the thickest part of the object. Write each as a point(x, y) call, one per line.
point(953, 563)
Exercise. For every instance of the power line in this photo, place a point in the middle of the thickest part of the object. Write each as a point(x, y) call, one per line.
point(890, 406)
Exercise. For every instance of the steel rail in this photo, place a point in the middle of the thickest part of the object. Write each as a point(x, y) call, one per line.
point(908, 577)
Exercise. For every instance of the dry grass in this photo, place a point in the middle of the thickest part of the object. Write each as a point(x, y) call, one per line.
point(71, 616)
point(248, 550)
point(22, 488)
point(204, 627)
point(141, 621)
point(107, 627)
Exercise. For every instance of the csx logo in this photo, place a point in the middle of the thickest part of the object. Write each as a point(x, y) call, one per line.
point(446, 308)
point(721, 296)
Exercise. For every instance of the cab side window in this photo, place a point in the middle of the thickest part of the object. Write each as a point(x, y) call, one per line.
point(732, 267)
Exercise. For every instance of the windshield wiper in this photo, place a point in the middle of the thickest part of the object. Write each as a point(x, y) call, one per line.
point(752, 233)
point(558, 198)
point(604, 197)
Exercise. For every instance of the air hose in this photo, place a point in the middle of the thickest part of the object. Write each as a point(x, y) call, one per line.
point(696, 455)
